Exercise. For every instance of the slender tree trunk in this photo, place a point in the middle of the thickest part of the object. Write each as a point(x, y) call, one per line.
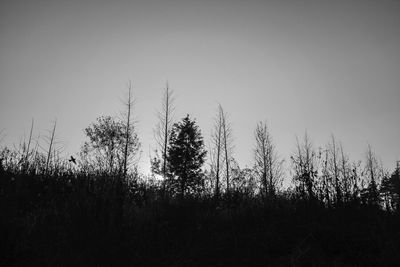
point(166, 130)
point(50, 146)
point(217, 136)
point(218, 160)
point(345, 176)
point(111, 156)
point(226, 153)
point(335, 172)
point(162, 132)
point(271, 176)
point(326, 182)
point(128, 120)
point(264, 155)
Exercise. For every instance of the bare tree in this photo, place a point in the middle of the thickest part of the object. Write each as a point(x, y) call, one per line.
point(373, 173)
point(355, 180)
point(216, 139)
point(326, 180)
point(227, 139)
point(129, 104)
point(267, 163)
point(371, 164)
point(304, 163)
point(163, 128)
point(210, 175)
point(222, 146)
point(334, 168)
point(261, 153)
point(346, 172)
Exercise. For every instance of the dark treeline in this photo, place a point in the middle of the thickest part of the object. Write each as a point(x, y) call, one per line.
point(96, 209)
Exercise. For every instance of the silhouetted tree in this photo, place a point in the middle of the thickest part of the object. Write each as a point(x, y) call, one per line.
point(216, 148)
point(325, 183)
point(355, 180)
point(345, 169)
point(392, 188)
point(105, 149)
point(186, 156)
point(244, 181)
point(385, 192)
point(162, 133)
point(267, 163)
point(374, 174)
point(128, 128)
point(333, 165)
point(227, 145)
point(304, 164)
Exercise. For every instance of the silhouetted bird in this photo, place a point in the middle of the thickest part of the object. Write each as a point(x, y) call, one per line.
point(72, 159)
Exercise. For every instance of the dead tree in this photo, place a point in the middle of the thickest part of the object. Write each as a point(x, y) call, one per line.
point(345, 169)
point(326, 180)
point(373, 172)
point(222, 146)
point(163, 128)
point(335, 169)
point(227, 145)
point(267, 163)
point(304, 164)
point(216, 139)
point(127, 150)
point(129, 104)
point(261, 153)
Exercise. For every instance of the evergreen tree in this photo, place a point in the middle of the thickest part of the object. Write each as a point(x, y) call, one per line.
point(186, 156)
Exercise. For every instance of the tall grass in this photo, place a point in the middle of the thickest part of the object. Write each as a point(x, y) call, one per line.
point(63, 216)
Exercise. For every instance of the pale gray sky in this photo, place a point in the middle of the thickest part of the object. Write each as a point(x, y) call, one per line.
point(325, 66)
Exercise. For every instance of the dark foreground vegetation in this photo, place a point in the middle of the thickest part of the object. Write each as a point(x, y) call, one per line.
point(96, 220)
point(95, 209)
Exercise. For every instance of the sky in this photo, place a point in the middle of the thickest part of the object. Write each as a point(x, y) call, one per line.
point(328, 67)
